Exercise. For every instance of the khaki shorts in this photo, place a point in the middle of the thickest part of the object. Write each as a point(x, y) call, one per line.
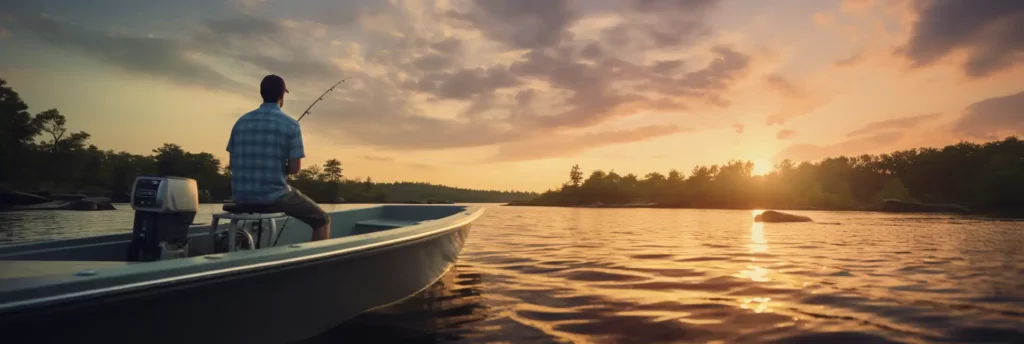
point(298, 205)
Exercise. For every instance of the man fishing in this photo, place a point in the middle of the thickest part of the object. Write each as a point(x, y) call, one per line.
point(265, 146)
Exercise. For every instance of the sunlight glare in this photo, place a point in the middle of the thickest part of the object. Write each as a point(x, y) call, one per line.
point(761, 167)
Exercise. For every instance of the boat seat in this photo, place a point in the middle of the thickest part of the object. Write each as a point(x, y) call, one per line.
point(253, 219)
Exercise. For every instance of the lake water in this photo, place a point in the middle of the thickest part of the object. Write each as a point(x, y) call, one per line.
point(665, 275)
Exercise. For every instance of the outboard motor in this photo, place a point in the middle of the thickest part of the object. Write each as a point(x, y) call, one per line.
point(164, 210)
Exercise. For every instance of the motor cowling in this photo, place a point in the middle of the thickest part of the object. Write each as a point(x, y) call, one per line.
point(164, 210)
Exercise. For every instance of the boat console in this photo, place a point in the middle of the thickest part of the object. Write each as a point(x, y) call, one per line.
point(164, 210)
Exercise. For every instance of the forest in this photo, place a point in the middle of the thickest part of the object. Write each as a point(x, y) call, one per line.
point(41, 155)
point(984, 177)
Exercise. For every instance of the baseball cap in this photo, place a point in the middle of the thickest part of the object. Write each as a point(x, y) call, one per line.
point(273, 84)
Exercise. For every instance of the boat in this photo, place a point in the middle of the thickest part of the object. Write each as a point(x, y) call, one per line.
point(97, 289)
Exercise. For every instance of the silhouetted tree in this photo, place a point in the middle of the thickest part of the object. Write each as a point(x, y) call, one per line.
point(332, 169)
point(575, 176)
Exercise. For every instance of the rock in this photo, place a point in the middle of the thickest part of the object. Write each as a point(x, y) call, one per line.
point(15, 198)
point(897, 206)
point(777, 216)
point(85, 204)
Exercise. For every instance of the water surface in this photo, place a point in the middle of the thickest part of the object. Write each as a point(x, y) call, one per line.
point(666, 275)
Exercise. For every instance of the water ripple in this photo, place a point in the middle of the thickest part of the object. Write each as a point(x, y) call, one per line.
point(555, 275)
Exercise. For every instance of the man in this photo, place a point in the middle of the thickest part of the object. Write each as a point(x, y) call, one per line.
point(265, 144)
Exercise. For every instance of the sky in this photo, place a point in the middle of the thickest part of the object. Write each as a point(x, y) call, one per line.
point(497, 94)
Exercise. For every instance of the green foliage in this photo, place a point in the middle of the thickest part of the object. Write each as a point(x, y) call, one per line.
point(64, 162)
point(987, 177)
point(894, 189)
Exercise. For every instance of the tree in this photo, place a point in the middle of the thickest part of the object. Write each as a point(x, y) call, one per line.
point(52, 122)
point(894, 189)
point(575, 176)
point(170, 160)
point(311, 173)
point(16, 124)
point(333, 169)
point(17, 131)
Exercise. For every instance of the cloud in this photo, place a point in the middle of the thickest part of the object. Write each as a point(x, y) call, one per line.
point(162, 57)
point(387, 159)
point(564, 145)
point(785, 134)
point(522, 24)
point(824, 19)
point(856, 6)
point(378, 158)
point(247, 5)
point(991, 32)
point(992, 118)
point(421, 166)
point(278, 47)
point(796, 100)
point(853, 59)
point(432, 77)
point(660, 24)
point(898, 123)
point(466, 83)
point(853, 147)
point(737, 127)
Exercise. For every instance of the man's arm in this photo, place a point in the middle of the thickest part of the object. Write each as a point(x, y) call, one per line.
point(231, 147)
point(296, 152)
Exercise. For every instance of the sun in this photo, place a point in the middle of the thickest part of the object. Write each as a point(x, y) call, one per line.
point(762, 167)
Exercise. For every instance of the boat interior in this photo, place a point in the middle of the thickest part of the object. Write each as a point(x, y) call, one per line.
point(71, 256)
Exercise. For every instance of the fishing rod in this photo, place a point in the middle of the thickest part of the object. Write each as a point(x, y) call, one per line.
point(304, 113)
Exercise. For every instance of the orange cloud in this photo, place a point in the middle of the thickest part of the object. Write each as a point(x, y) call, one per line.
point(797, 100)
point(563, 145)
point(865, 145)
point(897, 124)
point(785, 134)
point(738, 128)
point(856, 6)
point(824, 19)
point(993, 118)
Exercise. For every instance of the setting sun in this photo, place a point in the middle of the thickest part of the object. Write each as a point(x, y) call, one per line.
point(761, 167)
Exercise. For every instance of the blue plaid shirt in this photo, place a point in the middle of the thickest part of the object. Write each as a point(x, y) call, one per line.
point(260, 144)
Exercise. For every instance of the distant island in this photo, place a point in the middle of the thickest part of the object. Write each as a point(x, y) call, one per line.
point(44, 161)
point(966, 177)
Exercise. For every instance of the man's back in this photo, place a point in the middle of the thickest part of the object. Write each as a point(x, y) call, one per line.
point(260, 144)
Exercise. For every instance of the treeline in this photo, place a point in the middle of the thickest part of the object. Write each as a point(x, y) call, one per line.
point(405, 191)
point(986, 177)
point(41, 155)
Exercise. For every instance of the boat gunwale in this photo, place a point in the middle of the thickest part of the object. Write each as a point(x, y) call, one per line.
point(470, 213)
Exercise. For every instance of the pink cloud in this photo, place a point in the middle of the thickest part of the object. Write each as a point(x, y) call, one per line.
point(891, 124)
point(874, 144)
point(797, 100)
point(856, 6)
point(564, 145)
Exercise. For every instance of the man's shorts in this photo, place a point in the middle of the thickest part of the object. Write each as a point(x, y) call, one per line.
point(298, 205)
